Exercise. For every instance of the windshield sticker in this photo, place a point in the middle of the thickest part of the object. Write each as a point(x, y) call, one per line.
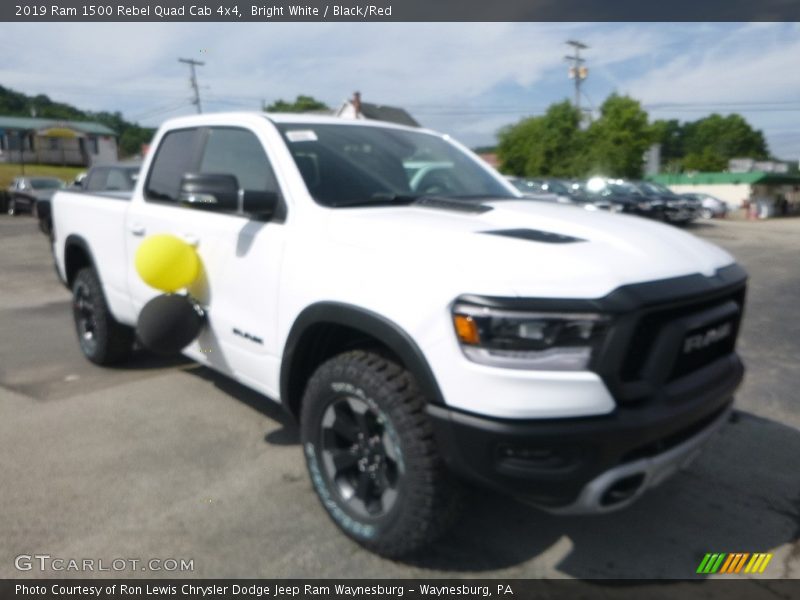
point(301, 135)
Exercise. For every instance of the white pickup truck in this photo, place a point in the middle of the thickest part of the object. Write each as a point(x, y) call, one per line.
point(423, 322)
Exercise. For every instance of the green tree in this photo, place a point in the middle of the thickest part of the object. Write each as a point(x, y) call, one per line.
point(616, 142)
point(546, 145)
point(515, 143)
point(670, 136)
point(300, 104)
point(132, 139)
point(710, 142)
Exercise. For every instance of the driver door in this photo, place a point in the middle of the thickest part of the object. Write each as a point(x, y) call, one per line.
point(240, 255)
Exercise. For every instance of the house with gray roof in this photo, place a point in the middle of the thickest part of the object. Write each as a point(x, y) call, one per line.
point(56, 142)
point(356, 109)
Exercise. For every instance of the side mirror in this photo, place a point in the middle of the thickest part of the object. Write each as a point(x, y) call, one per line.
point(260, 205)
point(221, 193)
point(210, 191)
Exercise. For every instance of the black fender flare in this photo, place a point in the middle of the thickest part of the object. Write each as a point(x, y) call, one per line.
point(369, 323)
point(76, 241)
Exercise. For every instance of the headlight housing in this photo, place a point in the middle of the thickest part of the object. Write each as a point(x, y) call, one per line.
point(528, 340)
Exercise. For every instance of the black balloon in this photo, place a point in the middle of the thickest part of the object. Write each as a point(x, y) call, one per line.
point(168, 323)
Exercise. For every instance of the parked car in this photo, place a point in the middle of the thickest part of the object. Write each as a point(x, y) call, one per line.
point(617, 196)
point(551, 188)
point(109, 179)
point(418, 333)
point(25, 192)
point(675, 209)
point(711, 206)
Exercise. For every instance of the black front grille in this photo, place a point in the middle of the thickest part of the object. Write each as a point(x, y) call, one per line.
point(693, 356)
point(655, 323)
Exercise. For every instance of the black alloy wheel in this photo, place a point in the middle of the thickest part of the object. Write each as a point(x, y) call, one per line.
point(359, 457)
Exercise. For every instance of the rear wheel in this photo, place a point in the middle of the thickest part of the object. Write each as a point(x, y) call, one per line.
point(103, 340)
point(371, 454)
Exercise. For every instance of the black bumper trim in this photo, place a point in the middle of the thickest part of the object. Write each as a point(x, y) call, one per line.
point(580, 448)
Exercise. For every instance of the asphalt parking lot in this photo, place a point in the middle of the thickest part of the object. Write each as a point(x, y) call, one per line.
point(163, 459)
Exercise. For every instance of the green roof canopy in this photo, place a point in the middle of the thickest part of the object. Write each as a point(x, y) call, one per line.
point(34, 124)
point(750, 178)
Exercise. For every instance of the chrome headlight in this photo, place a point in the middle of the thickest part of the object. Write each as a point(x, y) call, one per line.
point(528, 340)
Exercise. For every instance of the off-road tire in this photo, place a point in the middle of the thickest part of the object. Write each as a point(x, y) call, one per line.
point(426, 498)
point(102, 339)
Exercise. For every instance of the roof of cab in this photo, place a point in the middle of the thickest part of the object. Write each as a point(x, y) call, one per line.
point(288, 118)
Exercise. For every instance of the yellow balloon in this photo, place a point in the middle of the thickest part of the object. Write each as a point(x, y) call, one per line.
point(166, 262)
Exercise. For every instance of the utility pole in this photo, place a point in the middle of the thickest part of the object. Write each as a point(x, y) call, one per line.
point(193, 80)
point(577, 71)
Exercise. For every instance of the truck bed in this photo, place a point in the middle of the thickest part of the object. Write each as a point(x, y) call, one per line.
point(97, 220)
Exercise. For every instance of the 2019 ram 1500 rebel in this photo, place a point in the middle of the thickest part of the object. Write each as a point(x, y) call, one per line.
point(423, 322)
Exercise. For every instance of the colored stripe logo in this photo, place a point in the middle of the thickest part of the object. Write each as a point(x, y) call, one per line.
point(738, 562)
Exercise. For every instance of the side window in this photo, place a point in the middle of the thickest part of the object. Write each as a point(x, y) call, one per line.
point(238, 152)
point(117, 180)
point(96, 180)
point(176, 156)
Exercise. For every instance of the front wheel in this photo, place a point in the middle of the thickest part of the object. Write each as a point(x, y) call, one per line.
point(103, 340)
point(12, 209)
point(371, 455)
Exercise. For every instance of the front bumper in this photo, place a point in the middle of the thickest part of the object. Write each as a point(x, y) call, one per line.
point(591, 464)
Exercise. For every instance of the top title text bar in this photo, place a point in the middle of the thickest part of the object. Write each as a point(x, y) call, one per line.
point(398, 10)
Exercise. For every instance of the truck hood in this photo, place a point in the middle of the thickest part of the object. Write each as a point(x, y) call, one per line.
point(526, 248)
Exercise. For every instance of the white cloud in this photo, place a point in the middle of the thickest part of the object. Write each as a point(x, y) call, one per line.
point(748, 64)
point(401, 63)
point(431, 67)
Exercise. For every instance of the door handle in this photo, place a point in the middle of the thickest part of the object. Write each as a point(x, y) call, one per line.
point(138, 229)
point(191, 239)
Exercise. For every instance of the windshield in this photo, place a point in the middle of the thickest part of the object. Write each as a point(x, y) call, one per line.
point(623, 189)
point(346, 165)
point(46, 184)
point(654, 188)
point(556, 187)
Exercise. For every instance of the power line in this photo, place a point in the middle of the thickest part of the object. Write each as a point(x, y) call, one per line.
point(162, 108)
point(707, 109)
point(193, 80)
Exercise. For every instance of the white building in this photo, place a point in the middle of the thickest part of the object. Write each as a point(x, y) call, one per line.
point(55, 142)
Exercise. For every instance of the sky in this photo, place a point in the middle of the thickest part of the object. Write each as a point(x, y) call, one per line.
point(465, 79)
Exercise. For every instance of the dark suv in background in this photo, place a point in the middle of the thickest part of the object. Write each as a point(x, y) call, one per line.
point(27, 193)
point(673, 207)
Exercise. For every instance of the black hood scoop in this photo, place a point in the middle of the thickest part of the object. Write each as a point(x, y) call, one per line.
point(536, 235)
